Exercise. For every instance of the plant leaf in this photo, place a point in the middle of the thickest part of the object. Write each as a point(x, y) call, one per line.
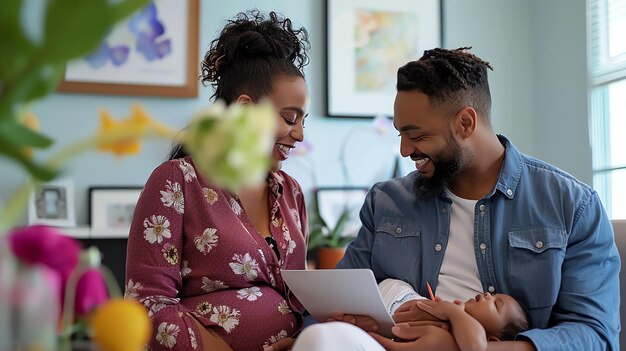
point(126, 8)
point(75, 27)
point(38, 172)
point(19, 136)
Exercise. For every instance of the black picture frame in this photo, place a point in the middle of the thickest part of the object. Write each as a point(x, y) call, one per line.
point(111, 209)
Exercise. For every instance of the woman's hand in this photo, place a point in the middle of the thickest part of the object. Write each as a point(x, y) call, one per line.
point(366, 323)
point(284, 344)
point(422, 335)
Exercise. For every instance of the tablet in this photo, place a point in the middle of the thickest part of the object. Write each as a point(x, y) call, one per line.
point(324, 292)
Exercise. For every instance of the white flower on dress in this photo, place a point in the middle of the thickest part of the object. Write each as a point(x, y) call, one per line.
point(235, 206)
point(188, 171)
point(192, 337)
point(245, 265)
point(131, 289)
point(173, 197)
point(210, 195)
point(204, 307)
point(283, 308)
point(225, 318)
point(205, 242)
point(157, 228)
point(250, 294)
point(209, 285)
point(167, 334)
point(185, 270)
point(156, 303)
point(276, 338)
point(289, 244)
point(296, 216)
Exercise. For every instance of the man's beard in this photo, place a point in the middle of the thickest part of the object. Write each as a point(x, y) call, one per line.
point(447, 166)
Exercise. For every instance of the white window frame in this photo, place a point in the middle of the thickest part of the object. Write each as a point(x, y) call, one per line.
point(603, 71)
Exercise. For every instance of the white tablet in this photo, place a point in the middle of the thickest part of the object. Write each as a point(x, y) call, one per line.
point(324, 292)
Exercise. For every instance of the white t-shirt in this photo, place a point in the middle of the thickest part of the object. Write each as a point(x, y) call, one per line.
point(459, 278)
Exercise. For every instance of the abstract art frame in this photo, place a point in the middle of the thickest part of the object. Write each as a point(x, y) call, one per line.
point(367, 41)
point(152, 53)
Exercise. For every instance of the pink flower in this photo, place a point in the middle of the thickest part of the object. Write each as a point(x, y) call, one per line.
point(44, 245)
point(91, 291)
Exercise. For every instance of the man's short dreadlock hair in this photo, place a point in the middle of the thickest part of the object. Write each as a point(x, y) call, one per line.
point(452, 77)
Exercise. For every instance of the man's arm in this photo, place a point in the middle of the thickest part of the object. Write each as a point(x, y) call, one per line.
point(586, 314)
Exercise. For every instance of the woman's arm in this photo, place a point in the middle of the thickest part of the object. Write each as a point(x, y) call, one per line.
point(155, 263)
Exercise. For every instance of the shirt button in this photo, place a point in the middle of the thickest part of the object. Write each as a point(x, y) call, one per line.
point(539, 244)
point(509, 192)
point(438, 247)
point(483, 246)
point(482, 207)
point(398, 230)
point(443, 210)
point(491, 289)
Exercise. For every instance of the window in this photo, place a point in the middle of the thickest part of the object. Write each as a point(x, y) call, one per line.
point(607, 67)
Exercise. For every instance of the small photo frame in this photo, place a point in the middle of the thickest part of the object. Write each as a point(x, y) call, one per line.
point(368, 40)
point(52, 204)
point(334, 200)
point(111, 210)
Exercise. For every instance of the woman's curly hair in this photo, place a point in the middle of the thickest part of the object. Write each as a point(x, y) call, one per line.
point(251, 50)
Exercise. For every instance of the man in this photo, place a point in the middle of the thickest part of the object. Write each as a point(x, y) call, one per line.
point(479, 216)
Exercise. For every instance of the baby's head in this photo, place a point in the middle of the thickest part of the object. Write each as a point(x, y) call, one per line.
point(500, 315)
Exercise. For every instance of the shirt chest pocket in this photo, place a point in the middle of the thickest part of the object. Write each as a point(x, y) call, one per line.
point(397, 246)
point(534, 265)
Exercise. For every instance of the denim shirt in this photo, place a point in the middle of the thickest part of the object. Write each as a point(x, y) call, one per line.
point(540, 236)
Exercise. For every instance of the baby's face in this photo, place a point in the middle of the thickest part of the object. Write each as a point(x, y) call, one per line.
point(494, 311)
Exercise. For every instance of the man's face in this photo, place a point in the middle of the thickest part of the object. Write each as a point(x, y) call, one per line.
point(427, 138)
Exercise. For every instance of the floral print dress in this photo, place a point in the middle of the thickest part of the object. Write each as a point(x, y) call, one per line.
point(194, 254)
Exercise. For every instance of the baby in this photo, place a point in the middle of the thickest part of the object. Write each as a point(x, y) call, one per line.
point(480, 319)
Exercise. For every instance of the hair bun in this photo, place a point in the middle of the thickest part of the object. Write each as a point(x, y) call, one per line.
point(252, 43)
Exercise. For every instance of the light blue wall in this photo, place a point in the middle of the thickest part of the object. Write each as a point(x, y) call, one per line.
point(522, 40)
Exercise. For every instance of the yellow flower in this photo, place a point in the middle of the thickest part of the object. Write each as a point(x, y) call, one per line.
point(123, 137)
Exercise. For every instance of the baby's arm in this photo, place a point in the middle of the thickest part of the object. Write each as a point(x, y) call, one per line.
point(467, 331)
point(396, 292)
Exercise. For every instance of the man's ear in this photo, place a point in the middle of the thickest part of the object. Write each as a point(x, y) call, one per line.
point(244, 99)
point(492, 338)
point(467, 118)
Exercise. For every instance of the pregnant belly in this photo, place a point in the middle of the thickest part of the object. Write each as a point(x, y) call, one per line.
point(246, 318)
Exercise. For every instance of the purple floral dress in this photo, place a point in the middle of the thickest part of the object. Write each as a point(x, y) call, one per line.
point(194, 254)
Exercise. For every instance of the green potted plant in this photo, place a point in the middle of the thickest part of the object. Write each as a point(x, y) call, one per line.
point(326, 243)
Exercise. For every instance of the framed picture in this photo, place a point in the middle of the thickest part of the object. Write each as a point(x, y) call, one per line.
point(333, 201)
point(368, 40)
point(53, 204)
point(111, 210)
point(152, 53)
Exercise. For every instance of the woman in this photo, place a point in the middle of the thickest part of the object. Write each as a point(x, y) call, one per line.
point(204, 261)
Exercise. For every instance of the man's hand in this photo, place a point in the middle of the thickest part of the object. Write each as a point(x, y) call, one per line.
point(284, 344)
point(441, 309)
point(409, 311)
point(422, 336)
point(364, 322)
